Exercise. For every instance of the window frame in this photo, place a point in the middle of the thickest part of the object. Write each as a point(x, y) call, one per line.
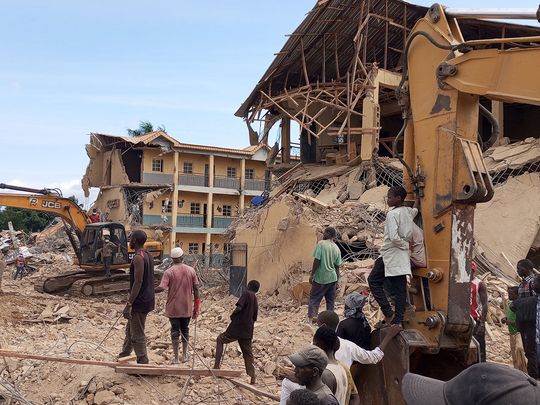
point(193, 248)
point(156, 163)
point(189, 166)
point(251, 176)
point(225, 208)
point(167, 210)
point(196, 205)
point(231, 172)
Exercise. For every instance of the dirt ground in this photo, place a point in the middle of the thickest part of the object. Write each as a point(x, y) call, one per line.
point(92, 328)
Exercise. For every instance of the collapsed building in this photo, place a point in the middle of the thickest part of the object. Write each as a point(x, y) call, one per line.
point(335, 78)
point(183, 194)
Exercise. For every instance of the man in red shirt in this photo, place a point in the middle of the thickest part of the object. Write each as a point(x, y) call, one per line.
point(479, 310)
point(183, 300)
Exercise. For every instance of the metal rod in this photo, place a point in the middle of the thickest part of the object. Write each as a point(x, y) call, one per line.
point(497, 13)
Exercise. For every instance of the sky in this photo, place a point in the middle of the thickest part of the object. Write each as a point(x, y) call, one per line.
point(69, 68)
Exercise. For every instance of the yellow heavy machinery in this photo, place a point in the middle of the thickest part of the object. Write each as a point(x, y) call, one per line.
point(443, 78)
point(86, 238)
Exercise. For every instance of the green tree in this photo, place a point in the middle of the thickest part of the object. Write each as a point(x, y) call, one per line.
point(25, 220)
point(144, 128)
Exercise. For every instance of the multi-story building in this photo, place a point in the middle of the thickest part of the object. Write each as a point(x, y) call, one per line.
point(194, 191)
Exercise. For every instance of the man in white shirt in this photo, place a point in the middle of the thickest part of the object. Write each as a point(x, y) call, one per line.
point(395, 261)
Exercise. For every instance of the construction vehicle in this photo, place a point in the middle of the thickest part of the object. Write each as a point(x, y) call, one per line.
point(86, 238)
point(443, 79)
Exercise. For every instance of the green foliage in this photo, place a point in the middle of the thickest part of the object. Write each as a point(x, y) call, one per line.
point(25, 220)
point(144, 128)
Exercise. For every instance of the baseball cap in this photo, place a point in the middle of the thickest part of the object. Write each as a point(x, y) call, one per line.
point(480, 384)
point(310, 356)
point(177, 252)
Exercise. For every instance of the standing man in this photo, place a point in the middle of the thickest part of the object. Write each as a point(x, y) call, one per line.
point(107, 253)
point(241, 328)
point(20, 264)
point(324, 274)
point(395, 262)
point(525, 269)
point(141, 298)
point(2, 268)
point(479, 310)
point(183, 300)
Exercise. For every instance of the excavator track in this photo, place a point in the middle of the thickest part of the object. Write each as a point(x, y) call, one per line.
point(83, 284)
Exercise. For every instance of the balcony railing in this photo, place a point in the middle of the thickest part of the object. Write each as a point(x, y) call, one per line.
point(192, 179)
point(221, 222)
point(227, 182)
point(190, 220)
point(256, 184)
point(157, 178)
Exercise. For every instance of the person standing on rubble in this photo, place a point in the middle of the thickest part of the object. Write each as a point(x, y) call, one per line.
point(183, 300)
point(395, 262)
point(525, 269)
point(141, 298)
point(479, 310)
point(2, 268)
point(20, 264)
point(528, 324)
point(241, 328)
point(324, 274)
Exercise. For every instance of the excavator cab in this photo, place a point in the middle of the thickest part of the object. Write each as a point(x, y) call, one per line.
point(93, 238)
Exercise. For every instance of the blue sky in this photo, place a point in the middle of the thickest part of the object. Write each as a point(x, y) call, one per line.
point(68, 68)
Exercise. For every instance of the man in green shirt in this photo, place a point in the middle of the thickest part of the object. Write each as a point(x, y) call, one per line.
point(324, 273)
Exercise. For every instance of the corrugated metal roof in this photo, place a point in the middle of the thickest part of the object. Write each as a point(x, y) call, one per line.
point(333, 25)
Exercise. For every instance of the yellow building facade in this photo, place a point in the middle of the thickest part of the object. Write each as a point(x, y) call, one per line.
point(210, 187)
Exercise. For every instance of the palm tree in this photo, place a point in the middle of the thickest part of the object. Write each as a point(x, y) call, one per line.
point(144, 128)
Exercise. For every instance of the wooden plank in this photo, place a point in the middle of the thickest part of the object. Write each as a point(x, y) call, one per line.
point(253, 389)
point(8, 353)
point(127, 359)
point(143, 369)
point(311, 200)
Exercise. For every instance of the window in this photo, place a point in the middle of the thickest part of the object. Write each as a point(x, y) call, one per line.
point(195, 208)
point(227, 210)
point(249, 174)
point(157, 165)
point(188, 168)
point(193, 248)
point(166, 206)
point(226, 248)
point(231, 172)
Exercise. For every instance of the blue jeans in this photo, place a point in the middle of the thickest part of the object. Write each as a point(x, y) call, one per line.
point(318, 292)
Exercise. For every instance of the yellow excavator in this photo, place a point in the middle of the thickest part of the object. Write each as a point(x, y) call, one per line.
point(87, 240)
point(443, 78)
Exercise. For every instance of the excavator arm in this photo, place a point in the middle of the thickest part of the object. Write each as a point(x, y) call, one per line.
point(443, 79)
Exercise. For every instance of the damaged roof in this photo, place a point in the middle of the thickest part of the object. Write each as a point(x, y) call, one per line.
point(151, 139)
point(329, 30)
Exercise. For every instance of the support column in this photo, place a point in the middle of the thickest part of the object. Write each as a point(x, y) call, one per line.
point(174, 213)
point(209, 203)
point(497, 108)
point(370, 121)
point(242, 184)
point(286, 140)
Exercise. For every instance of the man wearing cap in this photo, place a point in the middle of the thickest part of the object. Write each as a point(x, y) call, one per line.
point(183, 300)
point(480, 384)
point(309, 364)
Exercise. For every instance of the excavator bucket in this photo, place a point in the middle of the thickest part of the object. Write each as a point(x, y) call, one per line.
point(380, 384)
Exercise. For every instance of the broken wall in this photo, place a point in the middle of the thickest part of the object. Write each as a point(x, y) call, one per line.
point(112, 204)
point(280, 239)
point(506, 227)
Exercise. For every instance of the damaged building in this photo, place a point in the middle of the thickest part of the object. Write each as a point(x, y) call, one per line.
point(185, 194)
point(335, 79)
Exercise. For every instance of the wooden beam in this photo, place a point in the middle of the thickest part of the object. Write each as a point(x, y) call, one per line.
point(55, 359)
point(145, 369)
point(253, 389)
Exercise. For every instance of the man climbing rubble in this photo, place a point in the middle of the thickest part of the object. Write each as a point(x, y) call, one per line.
point(141, 298)
point(479, 310)
point(183, 300)
point(395, 262)
point(324, 274)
